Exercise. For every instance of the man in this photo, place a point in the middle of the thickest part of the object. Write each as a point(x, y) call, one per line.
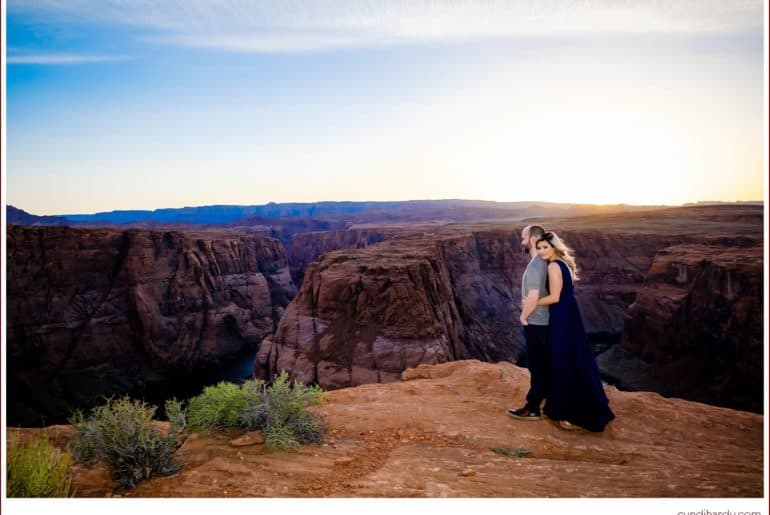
point(534, 320)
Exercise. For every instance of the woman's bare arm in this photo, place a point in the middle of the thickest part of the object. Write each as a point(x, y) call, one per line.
point(555, 282)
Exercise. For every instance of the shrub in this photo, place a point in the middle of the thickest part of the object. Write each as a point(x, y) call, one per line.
point(280, 437)
point(221, 406)
point(176, 416)
point(123, 433)
point(288, 422)
point(84, 442)
point(37, 469)
point(518, 452)
point(278, 410)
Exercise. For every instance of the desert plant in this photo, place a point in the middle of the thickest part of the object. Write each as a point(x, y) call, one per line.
point(280, 437)
point(123, 433)
point(306, 427)
point(278, 410)
point(37, 469)
point(518, 452)
point(84, 442)
point(176, 415)
point(221, 406)
point(287, 415)
point(255, 416)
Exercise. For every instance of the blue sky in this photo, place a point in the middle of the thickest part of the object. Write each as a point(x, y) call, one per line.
point(143, 105)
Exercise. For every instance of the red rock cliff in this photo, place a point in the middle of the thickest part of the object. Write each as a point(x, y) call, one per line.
point(96, 312)
point(365, 315)
point(695, 329)
point(307, 247)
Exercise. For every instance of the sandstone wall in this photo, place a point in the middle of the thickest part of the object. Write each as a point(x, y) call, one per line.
point(305, 248)
point(97, 312)
point(695, 329)
point(365, 315)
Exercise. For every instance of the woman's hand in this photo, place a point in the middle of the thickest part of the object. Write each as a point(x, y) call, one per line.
point(523, 320)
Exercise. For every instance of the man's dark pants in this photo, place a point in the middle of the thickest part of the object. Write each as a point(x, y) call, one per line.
point(538, 343)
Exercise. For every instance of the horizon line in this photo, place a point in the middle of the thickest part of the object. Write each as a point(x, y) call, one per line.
point(571, 204)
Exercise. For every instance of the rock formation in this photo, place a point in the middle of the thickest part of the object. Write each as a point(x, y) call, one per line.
point(112, 311)
point(97, 312)
point(304, 248)
point(365, 315)
point(452, 292)
point(695, 329)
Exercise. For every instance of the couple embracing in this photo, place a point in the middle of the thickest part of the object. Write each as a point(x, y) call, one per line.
point(563, 370)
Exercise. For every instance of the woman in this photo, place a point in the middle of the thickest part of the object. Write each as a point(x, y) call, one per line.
point(577, 395)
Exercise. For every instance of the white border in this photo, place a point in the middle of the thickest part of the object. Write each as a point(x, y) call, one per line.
point(388, 506)
point(3, 221)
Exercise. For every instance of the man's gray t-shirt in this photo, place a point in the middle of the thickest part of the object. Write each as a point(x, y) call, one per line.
point(534, 278)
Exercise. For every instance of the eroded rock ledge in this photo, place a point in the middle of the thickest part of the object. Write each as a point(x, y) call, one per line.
point(95, 312)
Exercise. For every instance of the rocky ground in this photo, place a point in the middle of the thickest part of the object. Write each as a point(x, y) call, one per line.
point(432, 435)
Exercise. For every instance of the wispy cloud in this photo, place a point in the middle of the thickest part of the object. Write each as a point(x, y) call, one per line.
point(61, 59)
point(308, 25)
point(261, 43)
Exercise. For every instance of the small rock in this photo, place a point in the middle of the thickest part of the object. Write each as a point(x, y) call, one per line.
point(405, 440)
point(343, 461)
point(253, 438)
point(453, 434)
point(468, 472)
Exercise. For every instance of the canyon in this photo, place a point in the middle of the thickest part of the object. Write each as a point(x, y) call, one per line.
point(95, 312)
point(98, 312)
point(432, 294)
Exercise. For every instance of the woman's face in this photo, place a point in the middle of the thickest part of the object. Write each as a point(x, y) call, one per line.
point(545, 250)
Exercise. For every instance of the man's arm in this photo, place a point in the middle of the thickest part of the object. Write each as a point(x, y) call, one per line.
point(528, 305)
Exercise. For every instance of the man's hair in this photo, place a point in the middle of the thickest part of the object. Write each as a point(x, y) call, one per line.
point(535, 231)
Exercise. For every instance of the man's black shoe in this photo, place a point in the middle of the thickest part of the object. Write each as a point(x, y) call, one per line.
point(524, 414)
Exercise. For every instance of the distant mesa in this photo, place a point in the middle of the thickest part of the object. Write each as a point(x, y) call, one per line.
point(20, 217)
point(329, 212)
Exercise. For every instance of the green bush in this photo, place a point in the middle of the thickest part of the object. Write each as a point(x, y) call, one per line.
point(288, 422)
point(221, 406)
point(37, 469)
point(123, 433)
point(176, 416)
point(278, 410)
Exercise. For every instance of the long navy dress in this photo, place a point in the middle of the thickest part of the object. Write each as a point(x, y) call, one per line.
point(576, 394)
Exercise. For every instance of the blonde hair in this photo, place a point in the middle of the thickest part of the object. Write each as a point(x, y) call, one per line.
point(562, 251)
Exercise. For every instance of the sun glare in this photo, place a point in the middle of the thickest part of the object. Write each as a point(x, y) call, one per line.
point(618, 155)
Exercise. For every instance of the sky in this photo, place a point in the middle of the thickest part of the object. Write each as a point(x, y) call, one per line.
point(147, 104)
